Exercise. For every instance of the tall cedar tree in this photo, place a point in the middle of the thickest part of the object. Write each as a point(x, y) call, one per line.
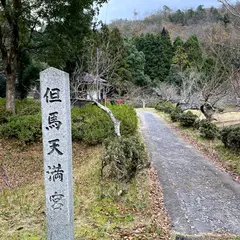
point(167, 54)
point(178, 42)
point(116, 46)
point(135, 64)
point(158, 52)
point(180, 57)
point(194, 52)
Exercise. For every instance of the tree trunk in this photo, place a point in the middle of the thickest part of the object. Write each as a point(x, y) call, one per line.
point(115, 121)
point(208, 111)
point(238, 103)
point(10, 91)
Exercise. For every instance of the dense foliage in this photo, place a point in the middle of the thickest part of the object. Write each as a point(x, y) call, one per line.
point(187, 119)
point(208, 130)
point(158, 53)
point(165, 106)
point(176, 114)
point(123, 158)
point(89, 124)
point(231, 137)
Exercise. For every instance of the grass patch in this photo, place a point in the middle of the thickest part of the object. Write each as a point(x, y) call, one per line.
point(22, 202)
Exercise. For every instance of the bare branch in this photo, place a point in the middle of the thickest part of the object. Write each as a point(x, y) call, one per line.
point(233, 10)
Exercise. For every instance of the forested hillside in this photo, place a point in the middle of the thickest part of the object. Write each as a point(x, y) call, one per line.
point(190, 54)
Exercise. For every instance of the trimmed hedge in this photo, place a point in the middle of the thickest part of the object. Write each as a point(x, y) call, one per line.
point(27, 107)
point(24, 128)
point(127, 115)
point(90, 124)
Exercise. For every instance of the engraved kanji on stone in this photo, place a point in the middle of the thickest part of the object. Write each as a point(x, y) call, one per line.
point(52, 95)
point(55, 173)
point(54, 146)
point(53, 121)
point(56, 199)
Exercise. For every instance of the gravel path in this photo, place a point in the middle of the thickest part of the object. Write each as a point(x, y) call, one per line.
point(199, 198)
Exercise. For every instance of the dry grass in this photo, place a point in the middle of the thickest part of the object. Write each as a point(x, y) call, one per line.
point(222, 119)
point(22, 202)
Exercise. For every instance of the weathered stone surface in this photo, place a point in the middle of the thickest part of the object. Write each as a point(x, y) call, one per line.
point(57, 147)
point(200, 198)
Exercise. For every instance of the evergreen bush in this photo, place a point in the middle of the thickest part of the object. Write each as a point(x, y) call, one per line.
point(123, 158)
point(27, 107)
point(233, 139)
point(176, 114)
point(208, 130)
point(230, 136)
point(127, 115)
point(25, 129)
point(3, 113)
point(224, 135)
point(165, 106)
point(187, 119)
point(90, 124)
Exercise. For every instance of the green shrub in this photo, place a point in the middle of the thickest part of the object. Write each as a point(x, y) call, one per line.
point(230, 136)
point(176, 114)
point(23, 107)
point(233, 139)
point(4, 115)
point(2, 102)
point(123, 158)
point(208, 130)
point(187, 119)
point(25, 128)
point(127, 115)
point(165, 106)
point(27, 107)
point(224, 135)
point(91, 124)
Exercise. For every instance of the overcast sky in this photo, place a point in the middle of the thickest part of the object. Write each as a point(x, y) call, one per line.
point(116, 9)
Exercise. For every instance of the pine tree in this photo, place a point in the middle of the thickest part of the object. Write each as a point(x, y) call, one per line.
point(193, 50)
point(167, 54)
point(158, 52)
point(116, 46)
point(177, 42)
point(181, 58)
point(136, 64)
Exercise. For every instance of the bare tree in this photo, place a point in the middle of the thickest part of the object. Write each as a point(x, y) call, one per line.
point(100, 65)
point(235, 84)
point(231, 8)
point(214, 87)
point(167, 92)
point(189, 91)
point(139, 95)
point(187, 94)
